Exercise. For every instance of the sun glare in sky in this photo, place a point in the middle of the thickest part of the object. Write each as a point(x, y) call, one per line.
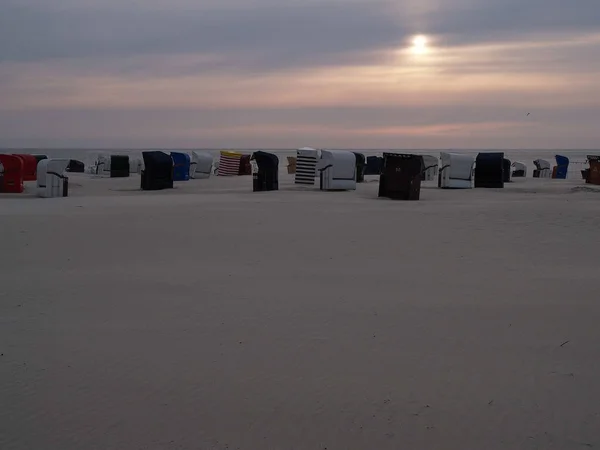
point(419, 45)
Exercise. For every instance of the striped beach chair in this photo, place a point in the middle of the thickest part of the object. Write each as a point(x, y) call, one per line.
point(229, 164)
point(306, 165)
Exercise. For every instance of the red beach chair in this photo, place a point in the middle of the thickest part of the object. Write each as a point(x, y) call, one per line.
point(13, 174)
point(29, 167)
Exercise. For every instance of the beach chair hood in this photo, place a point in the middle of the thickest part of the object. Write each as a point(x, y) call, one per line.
point(158, 171)
point(489, 170)
point(430, 168)
point(401, 176)
point(13, 174)
point(456, 171)
point(266, 178)
point(306, 165)
point(51, 178)
point(201, 165)
point(181, 166)
point(337, 170)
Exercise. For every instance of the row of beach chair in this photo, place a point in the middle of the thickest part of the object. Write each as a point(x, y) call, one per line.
point(334, 169)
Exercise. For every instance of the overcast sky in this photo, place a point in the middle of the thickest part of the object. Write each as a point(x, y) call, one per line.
point(291, 73)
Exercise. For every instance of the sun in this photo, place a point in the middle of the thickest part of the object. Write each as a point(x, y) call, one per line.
point(419, 44)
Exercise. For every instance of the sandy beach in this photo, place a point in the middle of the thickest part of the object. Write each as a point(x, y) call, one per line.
point(212, 317)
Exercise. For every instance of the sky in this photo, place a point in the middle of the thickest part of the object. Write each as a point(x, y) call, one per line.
point(294, 73)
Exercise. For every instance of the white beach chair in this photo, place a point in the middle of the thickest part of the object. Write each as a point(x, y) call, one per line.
point(519, 170)
point(201, 165)
point(136, 165)
point(51, 178)
point(337, 170)
point(306, 165)
point(456, 171)
point(430, 171)
point(103, 165)
point(543, 169)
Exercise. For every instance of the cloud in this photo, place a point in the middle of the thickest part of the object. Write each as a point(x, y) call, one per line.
point(318, 72)
point(271, 36)
point(475, 21)
point(268, 35)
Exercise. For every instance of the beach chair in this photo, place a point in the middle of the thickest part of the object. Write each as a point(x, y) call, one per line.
point(51, 178)
point(430, 168)
point(265, 176)
point(76, 166)
point(135, 165)
point(291, 167)
point(506, 170)
point(489, 170)
point(337, 170)
point(119, 166)
point(542, 169)
point(201, 165)
point(456, 171)
point(29, 166)
point(361, 166)
point(102, 166)
point(519, 170)
point(13, 174)
point(229, 164)
point(374, 164)
point(245, 165)
point(593, 173)
point(38, 158)
point(158, 171)
point(181, 166)
point(306, 165)
point(401, 176)
point(562, 167)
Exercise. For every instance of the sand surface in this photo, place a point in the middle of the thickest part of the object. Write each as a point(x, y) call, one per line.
point(211, 317)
